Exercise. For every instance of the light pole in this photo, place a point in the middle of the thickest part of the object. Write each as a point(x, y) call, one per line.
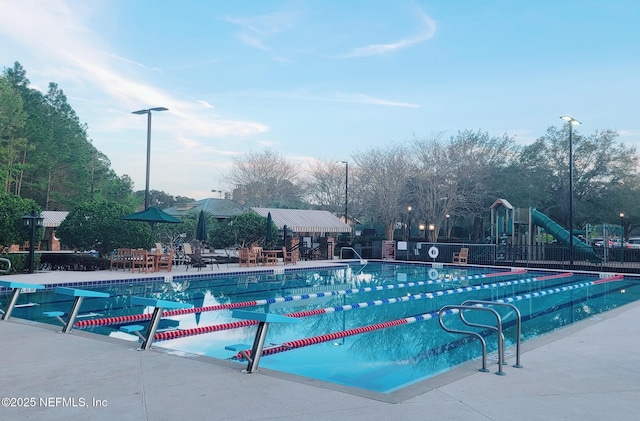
point(572, 121)
point(33, 221)
point(622, 237)
point(447, 216)
point(346, 192)
point(148, 113)
point(217, 191)
point(409, 209)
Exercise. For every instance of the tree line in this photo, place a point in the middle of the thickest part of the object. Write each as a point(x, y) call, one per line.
point(48, 162)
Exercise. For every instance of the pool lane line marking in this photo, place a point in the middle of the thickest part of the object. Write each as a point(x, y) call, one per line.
point(201, 330)
point(254, 303)
point(299, 343)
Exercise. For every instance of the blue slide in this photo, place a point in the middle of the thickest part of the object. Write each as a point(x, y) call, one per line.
point(562, 235)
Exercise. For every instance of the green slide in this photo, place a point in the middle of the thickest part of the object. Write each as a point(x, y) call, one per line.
point(562, 235)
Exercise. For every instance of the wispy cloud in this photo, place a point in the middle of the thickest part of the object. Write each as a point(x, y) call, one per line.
point(256, 30)
point(427, 32)
point(306, 95)
point(71, 51)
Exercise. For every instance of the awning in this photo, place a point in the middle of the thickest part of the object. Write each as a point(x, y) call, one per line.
point(52, 219)
point(301, 220)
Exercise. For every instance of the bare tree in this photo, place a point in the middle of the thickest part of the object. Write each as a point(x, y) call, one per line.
point(266, 179)
point(455, 178)
point(381, 179)
point(327, 185)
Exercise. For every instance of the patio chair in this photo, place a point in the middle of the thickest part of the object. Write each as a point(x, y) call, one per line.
point(461, 256)
point(246, 257)
point(289, 256)
point(196, 259)
point(165, 262)
point(141, 261)
point(122, 258)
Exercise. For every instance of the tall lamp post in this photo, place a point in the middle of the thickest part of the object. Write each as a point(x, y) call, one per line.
point(346, 192)
point(32, 221)
point(448, 235)
point(572, 121)
point(622, 248)
point(409, 209)
point(148, 113)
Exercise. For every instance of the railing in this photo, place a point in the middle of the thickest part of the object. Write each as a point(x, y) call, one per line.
point(518, 322)
point(608, 259)
point(362, 261)
point(460, 308)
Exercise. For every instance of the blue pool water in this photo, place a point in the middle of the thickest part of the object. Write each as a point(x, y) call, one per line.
point(383, 360)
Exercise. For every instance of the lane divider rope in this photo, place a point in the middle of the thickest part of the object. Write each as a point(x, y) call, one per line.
point(254, 303)
point(200, 330)
point(299, 343)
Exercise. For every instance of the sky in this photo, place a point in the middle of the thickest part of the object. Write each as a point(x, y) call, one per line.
point(317, 79)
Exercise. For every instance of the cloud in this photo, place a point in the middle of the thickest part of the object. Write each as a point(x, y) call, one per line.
point(59, 34)
point(305, 95)
point(428, 31)
point(255, 30)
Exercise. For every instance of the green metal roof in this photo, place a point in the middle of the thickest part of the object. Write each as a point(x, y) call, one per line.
point(218, 208)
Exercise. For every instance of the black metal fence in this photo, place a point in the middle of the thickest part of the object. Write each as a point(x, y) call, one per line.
point(547, 256)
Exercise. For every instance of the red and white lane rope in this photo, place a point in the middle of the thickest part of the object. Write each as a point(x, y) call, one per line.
point(106, 321)
point(200, 330)
point(299, 343)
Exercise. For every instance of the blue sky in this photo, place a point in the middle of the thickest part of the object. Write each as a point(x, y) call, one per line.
point(322, 79)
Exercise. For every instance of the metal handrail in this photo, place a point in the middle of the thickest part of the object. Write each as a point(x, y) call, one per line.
point(8, 262)
point(476, 334)
point(518, 323)
point(362, 261)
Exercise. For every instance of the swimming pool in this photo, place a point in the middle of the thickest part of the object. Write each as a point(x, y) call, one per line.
point(347, 298)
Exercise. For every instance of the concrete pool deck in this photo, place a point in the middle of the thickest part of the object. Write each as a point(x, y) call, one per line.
point(588, 371)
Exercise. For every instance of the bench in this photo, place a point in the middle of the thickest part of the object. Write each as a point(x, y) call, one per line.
point(258, 343)
point(461, 256)
point(158, 305)
point(16, 287)
point(79, 295)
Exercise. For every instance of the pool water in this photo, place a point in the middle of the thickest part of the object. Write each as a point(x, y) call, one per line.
point(352, 297)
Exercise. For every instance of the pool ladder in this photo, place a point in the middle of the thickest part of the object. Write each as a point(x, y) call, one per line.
point(480, 305)
point(362, 261)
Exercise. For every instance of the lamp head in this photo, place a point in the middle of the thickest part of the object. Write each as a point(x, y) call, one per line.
point(570, 120)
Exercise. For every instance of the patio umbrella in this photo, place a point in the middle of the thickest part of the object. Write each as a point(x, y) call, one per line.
point(152, 216)
point(268, 237)
point(201, 229)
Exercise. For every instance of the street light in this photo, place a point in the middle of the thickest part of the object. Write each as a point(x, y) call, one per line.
point(447, 225)
point(33, 221)
point(346, 191)
point(217, 191)
point(622, 237)
point(148, 112)
point(409, 209)
point(572, 121)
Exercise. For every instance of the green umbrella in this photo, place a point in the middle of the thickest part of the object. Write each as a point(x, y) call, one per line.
point(152, 216)
point(268, 238)
point(201, 229)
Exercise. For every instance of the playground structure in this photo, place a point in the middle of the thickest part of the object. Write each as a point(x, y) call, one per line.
point(522, 230)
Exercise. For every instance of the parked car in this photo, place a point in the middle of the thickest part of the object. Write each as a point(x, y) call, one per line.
point(634, 243)
point(599, 242)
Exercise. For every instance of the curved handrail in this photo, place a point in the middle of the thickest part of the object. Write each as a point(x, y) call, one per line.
point(8, 262)
point(446, 308)
point(518, 323)
point(362, 261)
